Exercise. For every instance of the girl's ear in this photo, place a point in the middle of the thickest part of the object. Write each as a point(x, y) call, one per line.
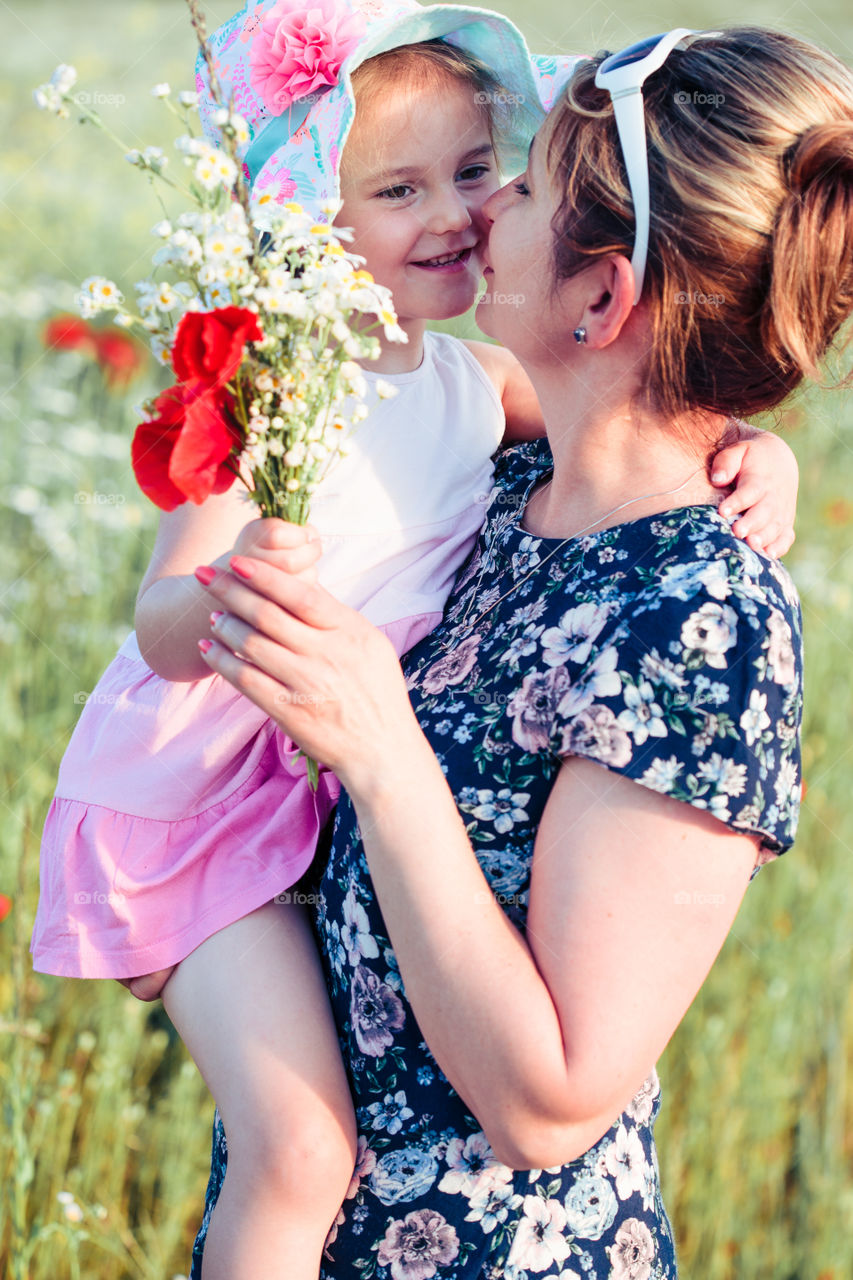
point(609, 300)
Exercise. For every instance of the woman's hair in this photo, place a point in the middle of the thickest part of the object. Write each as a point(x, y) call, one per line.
point(750, 268)
point(429, 64)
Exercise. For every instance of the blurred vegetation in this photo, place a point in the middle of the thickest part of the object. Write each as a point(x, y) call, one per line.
point(105, 1123)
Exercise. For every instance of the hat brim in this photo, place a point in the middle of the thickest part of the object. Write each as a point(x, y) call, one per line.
point(297, 155)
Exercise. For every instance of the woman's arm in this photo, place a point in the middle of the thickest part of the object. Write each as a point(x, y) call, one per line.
point(546, 1038)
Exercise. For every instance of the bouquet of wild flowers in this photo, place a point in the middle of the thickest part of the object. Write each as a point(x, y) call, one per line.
point(261, 313)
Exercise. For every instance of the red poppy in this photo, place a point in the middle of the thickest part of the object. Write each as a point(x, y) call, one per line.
point(119, 356)
point(210, 344)
point(5, 906)
point(181, 453)
point(69, 333)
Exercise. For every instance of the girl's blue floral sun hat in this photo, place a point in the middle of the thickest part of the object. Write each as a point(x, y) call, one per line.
point(285, 67)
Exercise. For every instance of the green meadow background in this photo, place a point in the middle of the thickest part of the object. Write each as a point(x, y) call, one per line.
point(105, 1124)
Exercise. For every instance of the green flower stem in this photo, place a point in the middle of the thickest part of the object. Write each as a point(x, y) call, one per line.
point(228, 139)
point(88, 116)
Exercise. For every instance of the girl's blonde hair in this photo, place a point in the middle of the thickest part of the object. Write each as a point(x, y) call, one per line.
point(428, 64)
point(750, 269)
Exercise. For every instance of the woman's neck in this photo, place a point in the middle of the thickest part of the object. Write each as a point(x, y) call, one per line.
point(608, 453)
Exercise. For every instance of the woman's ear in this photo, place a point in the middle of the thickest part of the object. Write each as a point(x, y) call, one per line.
point(610, 300)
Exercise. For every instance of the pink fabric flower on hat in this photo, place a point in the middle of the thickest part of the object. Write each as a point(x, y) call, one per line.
point(299, 48)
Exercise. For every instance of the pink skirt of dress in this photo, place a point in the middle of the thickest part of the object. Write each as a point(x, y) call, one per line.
point(179, 809)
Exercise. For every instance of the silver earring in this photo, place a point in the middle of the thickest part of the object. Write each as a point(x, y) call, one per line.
point(580, 335)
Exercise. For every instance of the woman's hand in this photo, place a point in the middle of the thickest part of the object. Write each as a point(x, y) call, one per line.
point(321, 671)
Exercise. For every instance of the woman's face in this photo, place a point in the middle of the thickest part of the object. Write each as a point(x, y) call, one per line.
point(520, 307)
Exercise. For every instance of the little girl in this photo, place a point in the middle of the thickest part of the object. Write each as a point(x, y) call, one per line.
point(180, 813)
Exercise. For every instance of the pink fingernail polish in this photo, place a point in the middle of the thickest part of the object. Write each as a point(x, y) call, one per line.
point(205, 574)
point(245, 568)
point(215, 616)
point(204, 645)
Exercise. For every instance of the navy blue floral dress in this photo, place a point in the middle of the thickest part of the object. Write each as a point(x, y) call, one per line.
point(663, 649)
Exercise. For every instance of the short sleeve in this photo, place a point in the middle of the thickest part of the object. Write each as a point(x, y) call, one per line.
point(697, 698)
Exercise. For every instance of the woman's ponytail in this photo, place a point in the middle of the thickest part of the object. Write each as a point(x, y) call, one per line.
point(811, 289)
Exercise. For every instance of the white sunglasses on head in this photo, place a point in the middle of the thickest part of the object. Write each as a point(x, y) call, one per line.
point(623, 75)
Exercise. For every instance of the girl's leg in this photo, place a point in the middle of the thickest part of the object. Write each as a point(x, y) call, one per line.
point(251, 1006)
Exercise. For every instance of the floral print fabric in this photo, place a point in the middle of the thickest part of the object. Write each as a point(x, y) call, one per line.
point(663, 649)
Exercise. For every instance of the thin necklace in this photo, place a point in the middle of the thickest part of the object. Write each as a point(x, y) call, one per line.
point(465, 624)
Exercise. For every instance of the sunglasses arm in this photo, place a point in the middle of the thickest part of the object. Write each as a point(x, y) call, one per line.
point(631, 126)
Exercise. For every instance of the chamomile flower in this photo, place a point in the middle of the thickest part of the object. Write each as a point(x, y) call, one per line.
point(188, 146)
point(393, 331)
point(279, 278)
point(295, 456)
point(226, 247)
point(51, 96)
point(154, 158)
point(229, 122)
point(47, 99)
point(234, 221)
point(254, 455)
point(214, 168)
point(283, 302)
point(218, 295)
point(197, 222)
point(99, 294)
point(236, 272)
point(161, 90)
point(64, 78)
point(166, 297)
point(326, 303)
point(186, 248)
point(209, 274)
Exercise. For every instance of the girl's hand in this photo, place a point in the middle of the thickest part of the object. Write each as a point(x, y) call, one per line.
point(295, 549)
point(171, 611)
point(321, 671)
point(765, 474)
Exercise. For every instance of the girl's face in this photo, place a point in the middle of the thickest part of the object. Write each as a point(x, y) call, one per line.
point(417, 169)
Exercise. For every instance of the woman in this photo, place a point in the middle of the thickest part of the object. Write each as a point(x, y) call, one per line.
point(551, 919)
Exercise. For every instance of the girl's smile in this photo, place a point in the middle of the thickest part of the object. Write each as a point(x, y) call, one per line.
point(448, 262)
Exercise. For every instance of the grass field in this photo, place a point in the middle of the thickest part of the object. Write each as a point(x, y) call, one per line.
point(105, 1123)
